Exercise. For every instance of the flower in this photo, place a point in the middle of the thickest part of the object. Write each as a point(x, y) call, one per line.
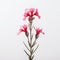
point(31, 12)
point(38, 31)
point(23, 29)
point(37, 14)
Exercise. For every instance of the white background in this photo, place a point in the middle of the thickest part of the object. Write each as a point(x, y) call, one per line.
point(11, 15)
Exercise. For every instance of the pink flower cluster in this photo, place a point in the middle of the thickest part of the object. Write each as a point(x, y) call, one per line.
point(23, 29)
point(38, 31)
point(30, 13)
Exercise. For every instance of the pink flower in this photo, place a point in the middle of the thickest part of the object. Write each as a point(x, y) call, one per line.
point(31, 12)
point(38, 31)
point(37, 14)
point(23, 29)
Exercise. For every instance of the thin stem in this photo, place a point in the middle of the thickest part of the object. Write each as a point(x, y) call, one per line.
point(31, 32)
point(30, 27)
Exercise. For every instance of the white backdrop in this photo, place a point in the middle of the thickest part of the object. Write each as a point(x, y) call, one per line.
point(11, 15)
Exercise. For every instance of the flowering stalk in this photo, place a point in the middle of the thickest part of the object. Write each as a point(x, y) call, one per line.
point(30, 28)
point(30, 13)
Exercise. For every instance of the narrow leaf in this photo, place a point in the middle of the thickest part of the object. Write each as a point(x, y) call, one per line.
point(26, 53)
point(26, 46)
point(36, 48)
point(34, 43)
point(32, 57)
